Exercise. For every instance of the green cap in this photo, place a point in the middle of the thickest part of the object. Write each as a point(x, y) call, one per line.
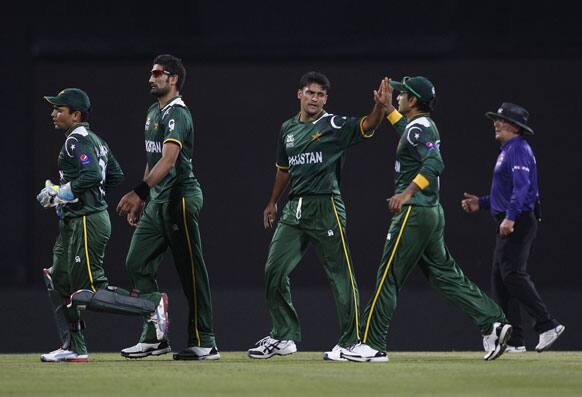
point(418, 86)
point(73, 98)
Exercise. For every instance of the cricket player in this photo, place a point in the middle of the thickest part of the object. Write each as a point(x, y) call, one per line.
point(76, 281)
point(416, 233)
point(310, 155)
point(170, 218)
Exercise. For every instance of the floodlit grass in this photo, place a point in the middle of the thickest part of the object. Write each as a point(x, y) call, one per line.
point(302, 374)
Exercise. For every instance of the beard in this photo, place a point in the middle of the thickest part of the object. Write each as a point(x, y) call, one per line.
point(159, 92)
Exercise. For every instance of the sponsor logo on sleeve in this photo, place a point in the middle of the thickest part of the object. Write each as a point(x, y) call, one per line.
point(84, 158)
point(289, 141)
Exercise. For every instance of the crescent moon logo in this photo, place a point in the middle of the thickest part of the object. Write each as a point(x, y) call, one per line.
point(70, 145)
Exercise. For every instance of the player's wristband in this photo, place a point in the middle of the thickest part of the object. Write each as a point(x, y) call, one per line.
point(142, 190)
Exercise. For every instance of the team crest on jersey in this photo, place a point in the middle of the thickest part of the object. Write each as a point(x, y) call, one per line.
point(70, 145)
point(84, 159)
point(316, 136)
point(289, 141)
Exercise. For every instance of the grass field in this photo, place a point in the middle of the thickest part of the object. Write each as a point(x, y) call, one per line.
point(302, 374)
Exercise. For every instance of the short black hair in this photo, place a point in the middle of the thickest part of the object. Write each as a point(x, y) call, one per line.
point(314, 77)
point(426, 106)
point(173, 65)
point(84, 113)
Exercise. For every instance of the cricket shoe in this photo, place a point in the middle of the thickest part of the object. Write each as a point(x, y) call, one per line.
point(335, 354)
point(515, 349)
point(496, 342)
point(63, 355)
point(142, 350)
point(198, 353)
point(269, 347)
point(160, 318)
point(365, 354)
point(548, 338)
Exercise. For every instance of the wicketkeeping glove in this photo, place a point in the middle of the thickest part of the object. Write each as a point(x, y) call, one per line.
point(53, 195)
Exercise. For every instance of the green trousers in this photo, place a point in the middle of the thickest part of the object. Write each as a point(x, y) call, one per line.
point(78, 263)
point(416, 236)
point(321, 221)
point(173, 225)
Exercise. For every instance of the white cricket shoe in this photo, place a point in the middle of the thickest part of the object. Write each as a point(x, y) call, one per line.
point(63, 355)
point(549, 337)
point(142, 350)
point(160, 318)
point(335, 354)
point(365, 354)
point(198, 353)
point(496, 342)
point(515, 349)
point(269, 347)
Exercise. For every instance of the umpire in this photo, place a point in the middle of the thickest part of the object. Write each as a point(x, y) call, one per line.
point(514, 203)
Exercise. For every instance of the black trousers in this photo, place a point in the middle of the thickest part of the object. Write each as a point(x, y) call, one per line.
point(513, 287)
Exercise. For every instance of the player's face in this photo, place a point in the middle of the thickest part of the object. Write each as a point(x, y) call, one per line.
point(159, 81)
point(404, 102)
point(504, 130)
point(312, 99)
point(63, 118)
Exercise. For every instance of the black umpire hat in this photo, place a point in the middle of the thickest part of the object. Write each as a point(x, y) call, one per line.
point(514, 114)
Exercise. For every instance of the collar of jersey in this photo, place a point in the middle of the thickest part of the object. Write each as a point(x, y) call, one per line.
point(323, 114)
point(512, 141)
point(175, 101)
point(85, 126)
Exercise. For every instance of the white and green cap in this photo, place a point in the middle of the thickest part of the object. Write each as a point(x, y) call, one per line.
point(418, 86)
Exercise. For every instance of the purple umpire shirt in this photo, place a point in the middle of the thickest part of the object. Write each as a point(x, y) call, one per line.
point(514, 188)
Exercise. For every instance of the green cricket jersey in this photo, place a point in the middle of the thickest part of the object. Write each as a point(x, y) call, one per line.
point(172, 123)
point(313, 151)
point(86, 161)
point(418, 158)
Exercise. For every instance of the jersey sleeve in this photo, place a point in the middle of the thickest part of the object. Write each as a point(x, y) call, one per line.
point(175, 127)
point(282, 160)
point(424, 144)
point(398, 121)
point(351, 131)
point(83, 155)
point(114, 173)
point(519, 164)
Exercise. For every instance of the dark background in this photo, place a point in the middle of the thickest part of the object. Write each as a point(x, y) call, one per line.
point(243, 62)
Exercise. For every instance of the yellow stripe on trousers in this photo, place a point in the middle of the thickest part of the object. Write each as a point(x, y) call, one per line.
point(353, 282)
point(385, 275)
point(85, 239)
point(188, 241)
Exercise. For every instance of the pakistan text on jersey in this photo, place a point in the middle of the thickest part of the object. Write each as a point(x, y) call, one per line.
point(153, 146)
point(306, 158)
